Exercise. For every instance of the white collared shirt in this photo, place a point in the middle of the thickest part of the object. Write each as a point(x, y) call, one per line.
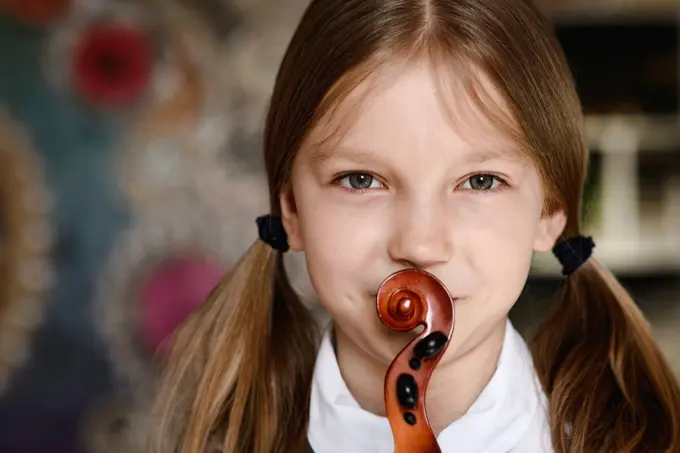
point(508, 416)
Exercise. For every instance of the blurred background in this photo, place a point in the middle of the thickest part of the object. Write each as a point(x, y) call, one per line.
point(130, 178)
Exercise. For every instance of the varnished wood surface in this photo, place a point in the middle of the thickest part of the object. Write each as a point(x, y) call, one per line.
point(405, 300)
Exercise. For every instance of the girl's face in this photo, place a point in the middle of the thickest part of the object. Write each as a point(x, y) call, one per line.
point(406, 184)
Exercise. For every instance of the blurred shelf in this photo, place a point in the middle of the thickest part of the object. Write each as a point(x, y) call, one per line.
point(649, 256)
point(653, 133)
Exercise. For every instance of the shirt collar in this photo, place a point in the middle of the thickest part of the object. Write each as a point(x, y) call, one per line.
point(497, 421)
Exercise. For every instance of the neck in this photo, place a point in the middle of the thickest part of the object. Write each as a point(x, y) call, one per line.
point(467, 375)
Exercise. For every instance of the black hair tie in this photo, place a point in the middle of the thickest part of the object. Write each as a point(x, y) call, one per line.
point(573, 252)
point(270, 229)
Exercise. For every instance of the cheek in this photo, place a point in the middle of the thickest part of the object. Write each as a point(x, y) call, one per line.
point(500, 244)
point(338, 240)
point(340, 245)
point(496, 249)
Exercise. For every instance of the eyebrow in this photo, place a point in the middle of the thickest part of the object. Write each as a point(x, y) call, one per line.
point(323, 154)
point(511, 153)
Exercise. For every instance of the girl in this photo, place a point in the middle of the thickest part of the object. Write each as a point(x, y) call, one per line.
point(444, 135)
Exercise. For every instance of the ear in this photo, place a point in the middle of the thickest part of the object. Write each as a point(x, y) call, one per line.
point(291, 219)
point(550, 228)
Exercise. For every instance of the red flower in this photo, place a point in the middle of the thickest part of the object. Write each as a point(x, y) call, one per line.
point(112, 65)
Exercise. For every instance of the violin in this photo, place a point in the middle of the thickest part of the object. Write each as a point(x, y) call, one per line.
point(405, 300)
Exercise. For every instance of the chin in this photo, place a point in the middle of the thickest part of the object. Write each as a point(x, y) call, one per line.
point(384, 348)
point(397, 341)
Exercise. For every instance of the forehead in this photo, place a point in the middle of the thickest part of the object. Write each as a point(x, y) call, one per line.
point(420, 106)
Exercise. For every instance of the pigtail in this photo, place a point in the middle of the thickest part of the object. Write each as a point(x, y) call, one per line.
point(241, 367)
point(608, 385)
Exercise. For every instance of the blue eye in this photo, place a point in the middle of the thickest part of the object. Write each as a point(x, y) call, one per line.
point(482, 182)
point(359, 181)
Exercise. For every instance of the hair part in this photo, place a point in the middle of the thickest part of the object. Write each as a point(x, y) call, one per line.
point(242, 365)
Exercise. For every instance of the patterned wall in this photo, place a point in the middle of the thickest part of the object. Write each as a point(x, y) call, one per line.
point(130, 179)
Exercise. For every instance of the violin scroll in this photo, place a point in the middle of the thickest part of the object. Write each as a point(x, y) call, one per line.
point(405, 300)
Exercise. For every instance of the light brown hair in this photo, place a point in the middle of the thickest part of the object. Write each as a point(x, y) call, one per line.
point(243, 363)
